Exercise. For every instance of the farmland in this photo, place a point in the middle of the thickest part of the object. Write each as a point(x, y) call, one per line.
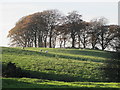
point(59, 68)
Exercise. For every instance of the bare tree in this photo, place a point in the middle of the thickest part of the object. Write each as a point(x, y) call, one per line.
point(93, 31)
point(74, 18)
point(52, 18)
point(84, 34)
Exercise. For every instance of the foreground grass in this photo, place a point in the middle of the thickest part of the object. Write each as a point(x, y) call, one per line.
point(41, 83)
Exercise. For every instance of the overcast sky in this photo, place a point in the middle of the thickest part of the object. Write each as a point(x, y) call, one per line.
point(11, 12)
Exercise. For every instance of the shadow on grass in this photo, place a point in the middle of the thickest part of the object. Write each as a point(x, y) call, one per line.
point(55, 77)
point(49, 76)
point(28, 52)
point(89, 53)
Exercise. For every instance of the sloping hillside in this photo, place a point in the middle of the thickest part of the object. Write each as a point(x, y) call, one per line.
point(66, 65)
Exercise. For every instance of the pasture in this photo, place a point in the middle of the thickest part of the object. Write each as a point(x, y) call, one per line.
point(58, 68)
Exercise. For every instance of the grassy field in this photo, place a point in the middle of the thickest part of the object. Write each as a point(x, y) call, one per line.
point(41, 83)
point(58, 68)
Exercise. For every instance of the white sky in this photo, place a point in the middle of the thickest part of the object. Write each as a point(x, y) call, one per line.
point(12, 11)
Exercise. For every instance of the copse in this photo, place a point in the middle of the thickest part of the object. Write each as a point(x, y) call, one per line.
point(50, 28)
point(33, 30)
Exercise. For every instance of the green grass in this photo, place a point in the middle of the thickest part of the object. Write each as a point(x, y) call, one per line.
point(73, 66)
point(41, 83)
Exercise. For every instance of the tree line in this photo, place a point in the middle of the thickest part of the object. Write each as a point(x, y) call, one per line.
point(51, 28)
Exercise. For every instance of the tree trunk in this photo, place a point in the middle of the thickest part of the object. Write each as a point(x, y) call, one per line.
point(35, 40)
point(50, 39)
point(64, 42)
point(40, 41)
point(84, 41)
point(78, 41)
point(84, 45)
point(50, 42)
point(54, 42)
point(61, 43)
point(45, 41)
point(73, 42)
point(102, 41)
point(93, 46)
